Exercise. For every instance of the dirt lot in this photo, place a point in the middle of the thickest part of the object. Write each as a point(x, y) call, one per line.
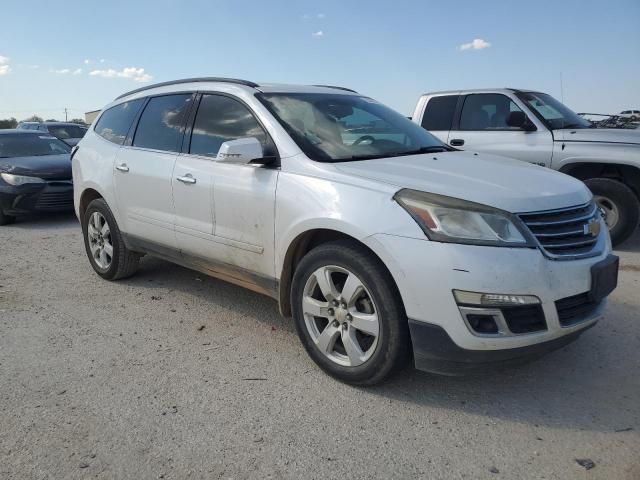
point(171, 374)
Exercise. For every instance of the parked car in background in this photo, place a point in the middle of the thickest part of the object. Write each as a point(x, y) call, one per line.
point(536, 128)
point(631, 114)
point(70, 133)
point(380, 240)
point(35, 174)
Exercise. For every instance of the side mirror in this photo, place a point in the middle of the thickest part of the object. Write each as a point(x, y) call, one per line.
point(520, 120)
point(240, 151)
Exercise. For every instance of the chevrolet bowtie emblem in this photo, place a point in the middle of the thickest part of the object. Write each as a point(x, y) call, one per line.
point(592, 228)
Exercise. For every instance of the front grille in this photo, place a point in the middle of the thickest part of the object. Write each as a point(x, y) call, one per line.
point(524, 319)
point(55, 200)
point(564, 233)
point(572, 310)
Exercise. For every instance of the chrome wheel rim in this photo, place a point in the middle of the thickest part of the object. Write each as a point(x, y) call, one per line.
point(609, 210)
point(341, 316)
point(100, 244)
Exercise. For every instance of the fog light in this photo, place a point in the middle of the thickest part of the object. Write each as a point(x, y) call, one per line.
point(482, 323)
point(493, 299)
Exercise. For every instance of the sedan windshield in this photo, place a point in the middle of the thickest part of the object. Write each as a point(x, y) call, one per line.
point(30, 145)
point(67, 131)
point(552, 112)
point(338, 127)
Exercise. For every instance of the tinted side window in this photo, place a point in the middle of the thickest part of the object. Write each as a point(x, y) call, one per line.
point(487, 111)
point(160, 125)
point(438, 114)
point(220, 119)
point(114, 124)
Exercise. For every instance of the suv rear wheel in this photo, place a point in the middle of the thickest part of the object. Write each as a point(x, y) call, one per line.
point(109, 256)
point(348, 313)
point(619, 206)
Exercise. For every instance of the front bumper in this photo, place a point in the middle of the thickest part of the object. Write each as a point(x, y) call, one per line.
point(55, 195)
point(427, 273)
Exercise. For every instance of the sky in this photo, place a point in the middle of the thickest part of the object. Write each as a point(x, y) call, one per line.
point(80, 55)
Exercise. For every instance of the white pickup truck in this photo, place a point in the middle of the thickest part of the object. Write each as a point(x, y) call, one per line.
point(536, 128)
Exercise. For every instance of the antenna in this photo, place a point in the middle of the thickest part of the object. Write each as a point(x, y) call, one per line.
point(561, 89)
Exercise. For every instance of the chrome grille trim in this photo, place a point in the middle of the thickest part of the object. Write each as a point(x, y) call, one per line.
point(561, 233)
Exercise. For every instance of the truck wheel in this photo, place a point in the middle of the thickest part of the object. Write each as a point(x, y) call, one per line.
point(109, 256)
point(6, 219)
point(348, 313)
point(618, 204)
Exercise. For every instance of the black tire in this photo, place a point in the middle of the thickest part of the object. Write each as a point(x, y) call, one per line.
point(620, 196)
point(393, 346)
point(124, 262)
point(6, 219)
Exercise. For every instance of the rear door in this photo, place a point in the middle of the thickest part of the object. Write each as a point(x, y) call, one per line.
point(482, 127)
point(144, 168)
point(438, 115)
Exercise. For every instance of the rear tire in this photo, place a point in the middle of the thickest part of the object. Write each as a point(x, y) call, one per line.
point(6, 219)
point(352, 325)
point(619, 205)
point(105, 247)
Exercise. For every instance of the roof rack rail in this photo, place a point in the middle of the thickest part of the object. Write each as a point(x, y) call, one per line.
point(337, 88)
point(192, 80)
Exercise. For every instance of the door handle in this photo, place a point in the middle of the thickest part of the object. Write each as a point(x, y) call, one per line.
point(187, 179)
point(456, 142)
point(122, 167)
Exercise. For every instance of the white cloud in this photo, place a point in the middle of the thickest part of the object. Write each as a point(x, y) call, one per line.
point(476, 44)
point(133, 73)
point(321, 16)
point(4, 65)
point(87, 61)
point(102, 60)
point(77, 71)
point(62, 71)
point(318, 34)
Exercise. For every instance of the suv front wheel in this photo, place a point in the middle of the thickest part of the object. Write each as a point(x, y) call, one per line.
point(107, 252)
point(348, 313)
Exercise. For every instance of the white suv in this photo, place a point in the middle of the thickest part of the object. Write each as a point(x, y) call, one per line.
point(383, 243)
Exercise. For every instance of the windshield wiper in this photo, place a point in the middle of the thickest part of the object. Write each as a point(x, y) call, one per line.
point(431, 149)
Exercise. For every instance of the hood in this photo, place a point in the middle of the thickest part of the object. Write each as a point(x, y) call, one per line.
point(605, 135)
point(49, 167)
point(499, 182)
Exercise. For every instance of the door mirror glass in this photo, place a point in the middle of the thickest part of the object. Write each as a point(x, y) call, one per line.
point(240, 151)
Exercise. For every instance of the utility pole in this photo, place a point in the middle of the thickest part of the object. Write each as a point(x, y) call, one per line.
point(65, 115)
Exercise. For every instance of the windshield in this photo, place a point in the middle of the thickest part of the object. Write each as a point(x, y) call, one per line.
point(555, 114)
point(27, 145)
point(336, 127)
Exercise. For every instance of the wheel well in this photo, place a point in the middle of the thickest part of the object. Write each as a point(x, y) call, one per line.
point(88, 196)
point(300, 246)
point(626, 174)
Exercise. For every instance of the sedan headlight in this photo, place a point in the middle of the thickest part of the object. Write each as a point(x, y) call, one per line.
point(447, 219)
point(19, 179)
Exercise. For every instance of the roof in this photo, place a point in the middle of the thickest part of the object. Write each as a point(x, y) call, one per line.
point(21, 132)
point(201, 82)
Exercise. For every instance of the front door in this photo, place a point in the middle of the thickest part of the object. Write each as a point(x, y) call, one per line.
point(482, 128)
point(227, 215)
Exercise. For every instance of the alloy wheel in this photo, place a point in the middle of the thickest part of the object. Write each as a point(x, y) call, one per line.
point(609, 210)
point(340, 315)
point(100, 243)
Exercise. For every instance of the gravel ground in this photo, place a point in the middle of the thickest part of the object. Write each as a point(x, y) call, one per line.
point(171, 374)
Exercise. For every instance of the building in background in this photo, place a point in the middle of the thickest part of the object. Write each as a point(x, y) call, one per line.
point(89, 117)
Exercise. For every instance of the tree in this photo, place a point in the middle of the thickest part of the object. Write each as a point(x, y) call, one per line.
point(79, 121)
point(33, 118)
point(8, 123)
point(51, 120)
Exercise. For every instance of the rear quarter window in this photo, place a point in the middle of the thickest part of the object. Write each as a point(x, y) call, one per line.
point(438, 114)
point(114, 124)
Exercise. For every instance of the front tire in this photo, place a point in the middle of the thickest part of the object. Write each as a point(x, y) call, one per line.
point(619, 206)
point(6, 219)
point(349, 314)
point(105, 247)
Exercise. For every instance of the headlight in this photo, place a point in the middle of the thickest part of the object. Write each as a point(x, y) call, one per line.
point(19, 179)
point(447, 219)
